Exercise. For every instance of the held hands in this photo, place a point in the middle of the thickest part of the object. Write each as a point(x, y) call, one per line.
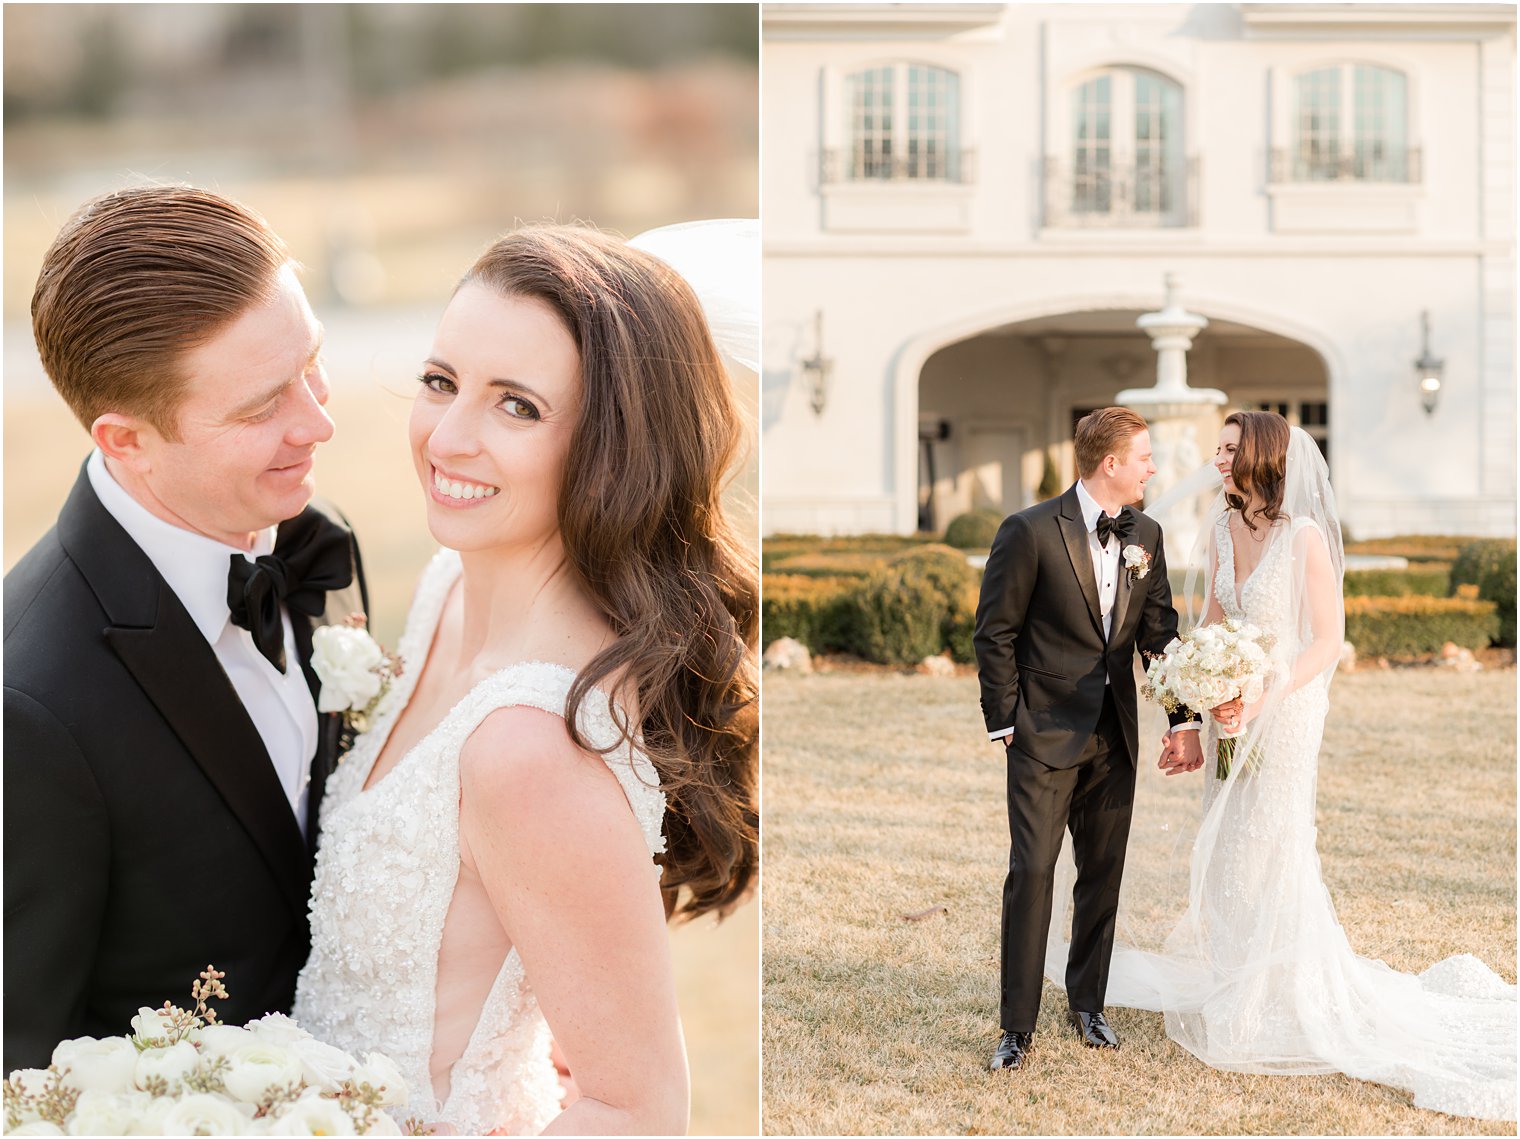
point(1181, 752)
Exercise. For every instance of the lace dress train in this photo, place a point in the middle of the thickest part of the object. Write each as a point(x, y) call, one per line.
point(1258, 975)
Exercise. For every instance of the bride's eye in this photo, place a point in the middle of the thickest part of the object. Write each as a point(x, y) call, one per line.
point(437, 382)
point(519, 408)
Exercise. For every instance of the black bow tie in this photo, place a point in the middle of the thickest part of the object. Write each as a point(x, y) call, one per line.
point(311, 557)
point(1124, 526)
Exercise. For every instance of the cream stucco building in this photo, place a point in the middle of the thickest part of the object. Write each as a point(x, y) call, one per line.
point(967, 207)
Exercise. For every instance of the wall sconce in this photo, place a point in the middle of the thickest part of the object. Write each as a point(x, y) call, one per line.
point(816, 368)
point(1428, 368)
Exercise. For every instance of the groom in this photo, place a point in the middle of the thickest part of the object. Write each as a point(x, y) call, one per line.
point(1073, 587)
point(164, 757)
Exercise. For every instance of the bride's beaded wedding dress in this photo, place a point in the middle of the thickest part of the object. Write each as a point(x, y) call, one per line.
point(386, 873)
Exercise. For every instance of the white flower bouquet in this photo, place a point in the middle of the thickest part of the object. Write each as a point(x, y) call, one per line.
point(1207, 666)
point(181, 1073)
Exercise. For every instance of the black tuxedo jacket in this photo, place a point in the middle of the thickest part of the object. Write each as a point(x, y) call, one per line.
point(146, 833)
point(1039, 637)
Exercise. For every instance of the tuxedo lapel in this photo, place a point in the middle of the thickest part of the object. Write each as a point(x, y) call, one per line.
point(329, 726)
point(156, 640)
point(332, 736)
point(1075, 535)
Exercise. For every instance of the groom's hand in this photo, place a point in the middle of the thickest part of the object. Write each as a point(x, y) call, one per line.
point(1181, 752)
point(1186, 750)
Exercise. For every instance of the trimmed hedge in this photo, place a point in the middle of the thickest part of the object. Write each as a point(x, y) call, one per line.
point(818, 611)
point(1423, 582)
point(973, 530)
point(1418, 548)
point(1416, 626)
point(837, 564)
point(1498, 586)
point(781, 546)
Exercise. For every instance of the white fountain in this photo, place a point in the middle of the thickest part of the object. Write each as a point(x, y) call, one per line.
point(1184, 421)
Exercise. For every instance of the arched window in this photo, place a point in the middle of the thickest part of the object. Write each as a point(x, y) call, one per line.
point(1128, 162)
point(1351, 123)
point(904, 123)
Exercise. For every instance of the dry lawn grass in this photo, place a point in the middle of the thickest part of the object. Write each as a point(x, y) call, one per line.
point(881, 801)
point(366, 471)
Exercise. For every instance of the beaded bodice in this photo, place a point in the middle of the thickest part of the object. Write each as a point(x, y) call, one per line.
point(386, 871)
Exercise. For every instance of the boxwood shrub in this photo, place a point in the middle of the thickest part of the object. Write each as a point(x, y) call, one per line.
point(919, 603)
point(1489, 564)
point(973, 530)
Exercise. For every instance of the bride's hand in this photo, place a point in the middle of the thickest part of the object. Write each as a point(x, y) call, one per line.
point(1230, 714)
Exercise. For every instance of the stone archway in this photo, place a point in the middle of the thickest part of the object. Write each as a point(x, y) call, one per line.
point(994, 409)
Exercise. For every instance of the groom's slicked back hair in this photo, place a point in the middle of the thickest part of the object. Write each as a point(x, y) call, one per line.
point(134, 280)
point(1106, 431)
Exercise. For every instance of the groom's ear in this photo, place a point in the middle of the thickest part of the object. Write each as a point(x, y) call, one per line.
point(122, 437)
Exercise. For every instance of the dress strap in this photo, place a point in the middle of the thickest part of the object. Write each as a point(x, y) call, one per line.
point(546, 686)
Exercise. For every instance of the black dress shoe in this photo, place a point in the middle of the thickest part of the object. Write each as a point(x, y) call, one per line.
point(1093, 1028)
point(1011, 1050)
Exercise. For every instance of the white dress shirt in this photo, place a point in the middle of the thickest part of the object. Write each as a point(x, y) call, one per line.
point(1105, 564)
point(1105, 558)
point(195, 568)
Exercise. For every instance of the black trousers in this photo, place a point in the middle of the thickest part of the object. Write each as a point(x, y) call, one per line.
point(1093, 799)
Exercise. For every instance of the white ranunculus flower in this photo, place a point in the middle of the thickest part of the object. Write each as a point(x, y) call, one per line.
point(313, 1115)
point(379, 1070)
point(277, 1028)
point(90, 1065)
point(32, 1080)
point(172, 1064)
point(345, 660)
point(106, 1113)
point(36, 1127)
point(149, 1025)
point(257, 1067)
point(322, 1065)
point(221, 1039)
point(1251, 652)
point(202, 1114)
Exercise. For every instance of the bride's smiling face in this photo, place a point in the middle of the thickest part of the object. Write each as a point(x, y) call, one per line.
point(1224, 455)
point(491, 427)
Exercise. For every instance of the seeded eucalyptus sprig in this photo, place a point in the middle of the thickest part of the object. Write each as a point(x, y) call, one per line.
point(53, 1102)
point(178, 1024)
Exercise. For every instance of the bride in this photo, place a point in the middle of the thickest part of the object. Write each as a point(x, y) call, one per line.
point(1257, 975)
point(569, 757)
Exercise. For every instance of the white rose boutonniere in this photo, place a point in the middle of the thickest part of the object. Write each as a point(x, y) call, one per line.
point(1137, 562)
point(354, 670)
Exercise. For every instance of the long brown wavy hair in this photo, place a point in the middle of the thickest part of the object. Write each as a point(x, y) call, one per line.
point(1260, 464)
point(642, 520)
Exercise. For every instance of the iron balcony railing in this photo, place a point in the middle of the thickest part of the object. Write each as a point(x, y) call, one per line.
point(926, 163)
point(1115, 196)
point(1374, 164)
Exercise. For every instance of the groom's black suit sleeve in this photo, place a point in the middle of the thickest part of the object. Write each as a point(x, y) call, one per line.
point(1007, 585)
point(54, 818)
